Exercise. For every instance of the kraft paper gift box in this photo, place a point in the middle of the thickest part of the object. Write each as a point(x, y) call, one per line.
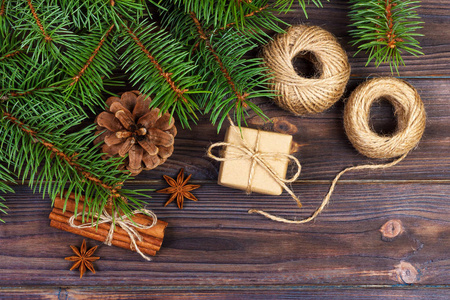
point(235, 170)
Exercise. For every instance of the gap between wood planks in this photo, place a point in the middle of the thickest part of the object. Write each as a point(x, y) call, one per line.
point(44, 288)
point(298, 182)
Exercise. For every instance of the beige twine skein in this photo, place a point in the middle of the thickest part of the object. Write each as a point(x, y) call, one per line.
point(302, 95)
point(408, 108)
point(411, 119)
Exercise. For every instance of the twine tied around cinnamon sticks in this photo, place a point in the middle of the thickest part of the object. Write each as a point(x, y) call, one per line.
point(126, 224)
point(257, 158)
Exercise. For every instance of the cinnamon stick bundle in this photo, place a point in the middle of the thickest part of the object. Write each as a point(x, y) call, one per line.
point(156, 231)
point(151, 238)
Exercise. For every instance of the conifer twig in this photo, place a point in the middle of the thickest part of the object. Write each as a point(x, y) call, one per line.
point(251, 14)
point(13, 53)
point(47, 37)
point(69, 159)
point(240, 96)
point(18, 94)
point(385, 29)
point(167, 76)
point(91, 58)
point(286, 5)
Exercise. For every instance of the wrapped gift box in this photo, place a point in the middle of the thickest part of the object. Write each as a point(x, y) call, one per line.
point(235, 173)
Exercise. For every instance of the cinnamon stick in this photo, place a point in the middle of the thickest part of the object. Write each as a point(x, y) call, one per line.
point(118, 229)
point(143, 219)
point(58, 216)
point(156, 231)
point(96, 236)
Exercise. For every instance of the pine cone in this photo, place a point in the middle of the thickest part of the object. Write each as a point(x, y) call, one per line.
point(131, 127)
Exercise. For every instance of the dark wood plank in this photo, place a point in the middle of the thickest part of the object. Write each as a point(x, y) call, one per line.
point(215, 242)
point(324, 148)
point(214, 249)
point(216, 292)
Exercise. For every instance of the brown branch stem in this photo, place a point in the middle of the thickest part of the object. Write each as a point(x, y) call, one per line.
point(2, 8)
point(69, 159)
point(14, 94)
point(167, 76)
point(390, 38)
point(13, 53)
point(226, 74)
point(245, 16)
point(47, 37)
point(91, 58)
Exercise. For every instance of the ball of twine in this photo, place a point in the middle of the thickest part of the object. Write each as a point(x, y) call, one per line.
point(411, 118)
point(408, 108)
point(302, 95)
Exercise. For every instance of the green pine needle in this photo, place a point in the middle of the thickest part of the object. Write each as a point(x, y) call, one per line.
point(285, 5)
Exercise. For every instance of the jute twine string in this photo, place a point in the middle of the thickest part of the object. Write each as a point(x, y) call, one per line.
point(408, 108)
point(245, 151)
point(411, 117)
point(302, 95)
point(122, 221)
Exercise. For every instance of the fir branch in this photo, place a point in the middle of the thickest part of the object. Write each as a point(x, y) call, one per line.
point(220, 13)
point(93, 15)
point(15, 52)
point(38, 22)
point(71, 160)
point(12, 53)
point(47, 34)
point(24, 77)
point(89, 65)
point(250, 14)
point(257, 21)
point(66, 159)
point(285, 5)
point(76, 78)
point(167, 76)
point(385, 29)
point(160, 65)
point(241, 97)
point(231, 79)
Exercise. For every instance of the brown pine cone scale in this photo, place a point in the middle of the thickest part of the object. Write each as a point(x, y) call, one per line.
point(130, 127)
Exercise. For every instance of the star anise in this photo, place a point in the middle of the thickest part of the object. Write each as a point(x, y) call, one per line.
point(179, 189)
point(83, 259)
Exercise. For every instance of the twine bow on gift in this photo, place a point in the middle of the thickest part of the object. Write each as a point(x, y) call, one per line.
point(245, 151)
point(124, 222)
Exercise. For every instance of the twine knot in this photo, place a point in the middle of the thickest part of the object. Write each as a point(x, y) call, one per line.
point(124, 222)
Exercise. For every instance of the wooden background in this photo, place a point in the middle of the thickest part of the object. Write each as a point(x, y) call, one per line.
point(213, 248)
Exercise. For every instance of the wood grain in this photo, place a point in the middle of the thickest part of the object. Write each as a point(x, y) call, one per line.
point(385, 234)
point(237, 292)
point(215, 242)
